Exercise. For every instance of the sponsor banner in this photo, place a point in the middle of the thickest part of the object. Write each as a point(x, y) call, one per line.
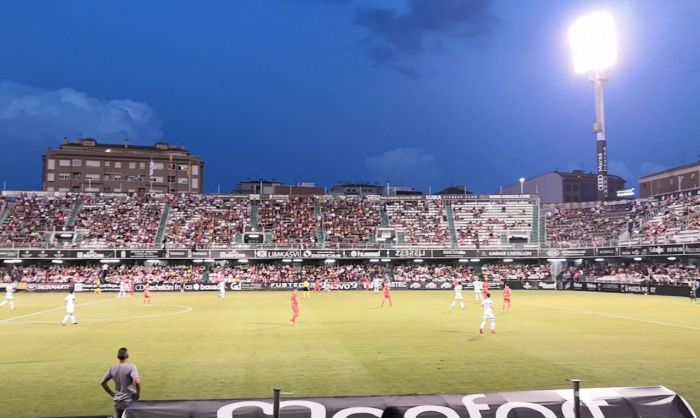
point(48, 287)
point(95, 254)
point(607, 252)
point(277, 253)
point(666, 249)
point(566, 253)
point(365, 253)
point(454, 253)
point(692, 249)
point(153, 253)
point(200, 254)
point(9, 253)
point(178, 254)
point(507, 253)
point(321, 254)
point(231, 254)
point(634, 251)
point(531, 285)
point(600, 403)
point(410, 253)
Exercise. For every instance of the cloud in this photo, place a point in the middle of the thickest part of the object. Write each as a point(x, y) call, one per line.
point(393, 35)
point(406, 167)
point(34, 114)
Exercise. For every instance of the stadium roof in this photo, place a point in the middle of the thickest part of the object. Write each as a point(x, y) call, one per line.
point(92, 143)
point(682, 167)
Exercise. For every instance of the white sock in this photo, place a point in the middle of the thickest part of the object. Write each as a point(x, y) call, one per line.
point(65, 318)
point(453, 305)
point(461, 304)
point(493, 325)
point(72, 318)
point(483, 324)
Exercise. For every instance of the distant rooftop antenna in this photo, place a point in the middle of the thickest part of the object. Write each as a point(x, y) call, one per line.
point(126, 142)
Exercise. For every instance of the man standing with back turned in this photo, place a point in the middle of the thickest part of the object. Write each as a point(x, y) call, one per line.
point(127, 386)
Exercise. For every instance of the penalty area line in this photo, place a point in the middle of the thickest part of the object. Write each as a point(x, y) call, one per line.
point(626, 318)
point(125, 318)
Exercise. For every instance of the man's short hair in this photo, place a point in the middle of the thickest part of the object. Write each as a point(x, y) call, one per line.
point(123, 354)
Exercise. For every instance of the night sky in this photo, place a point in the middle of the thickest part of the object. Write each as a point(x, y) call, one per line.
point(422, 93)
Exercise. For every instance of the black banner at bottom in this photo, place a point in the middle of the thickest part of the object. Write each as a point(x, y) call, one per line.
point(598, 403)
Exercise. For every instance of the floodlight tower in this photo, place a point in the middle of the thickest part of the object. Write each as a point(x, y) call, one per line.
point(594, 45)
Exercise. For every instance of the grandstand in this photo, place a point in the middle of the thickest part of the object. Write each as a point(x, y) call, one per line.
point(33, 220)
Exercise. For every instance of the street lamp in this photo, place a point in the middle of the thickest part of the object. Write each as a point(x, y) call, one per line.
point(593, 41)
point(522, 182)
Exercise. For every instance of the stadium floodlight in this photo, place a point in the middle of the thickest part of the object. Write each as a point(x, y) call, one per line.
point(329, 260)
point(198, 260)
point(209, 260)
point(286, 260)
point(13, 261)
point(109, 261)
point(417, 260)
point(507, 260)
point(594, 46)
point(671, 258)
point(242, 260)
point(474, 260)
point(386, 260)
point(600, 260)
point(463, 260)
point(373, 260)
point(637, 258)
point(57, 261)
point(298, 260)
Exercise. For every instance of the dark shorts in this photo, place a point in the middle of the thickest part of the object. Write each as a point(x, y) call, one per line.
point(305, 289)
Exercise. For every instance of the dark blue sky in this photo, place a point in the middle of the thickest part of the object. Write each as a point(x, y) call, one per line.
point(421, 93)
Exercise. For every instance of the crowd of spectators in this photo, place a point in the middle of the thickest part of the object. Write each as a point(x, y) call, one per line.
point(291, 221)
point(92, 272)
point(32, 216)
point(666, 273)
point(206, 220)
point(479, 224)
point(595, 225)
point(421, 221)
point(119, 220)
point(350, 220)
point(674, 216)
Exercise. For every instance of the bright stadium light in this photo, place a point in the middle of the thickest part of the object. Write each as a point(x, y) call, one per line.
point(297, 260)
point(474, 260)
point(417, 260)
point(286, 260)
point(594, 47)
point(57, 261)
point(109, 261)
point(600, 260)
point(593, 41)
point(209, 260)
point(198, 260)
point(329, 261)
point(463, 260)
point(242, 260)
point(671, 258)
point(637, 258)
point(507, 260)
point(386, 260)
point(14, 261)
point(373, 260)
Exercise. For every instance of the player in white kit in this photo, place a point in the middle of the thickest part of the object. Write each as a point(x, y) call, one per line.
point(458, 297)
point(487, 305)
point(69, 301)
point(377, 285)
point(478, 289)
point(122, 289)
point(9, 297)
point(222, 289)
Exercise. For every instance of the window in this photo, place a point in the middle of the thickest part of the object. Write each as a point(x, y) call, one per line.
point(92, 177)
point(92, 163)
point(182, 167)
point(182, 180)
point(50, 177)
point(49, 189)
point(64, 176)
point(64, 163)
point(117, 164)
point(158, 166)
point(76, 176)
point(142, 165)
point(51, 163)
point(156, 179)
point(195, 170)
point(77, 163)
point(106, 177)
point(132, 165)
point(195, 183)
point(117, 177)
point(108, 163)
point(171, 179)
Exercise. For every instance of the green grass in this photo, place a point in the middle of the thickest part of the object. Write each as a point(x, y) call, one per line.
point(242, 346)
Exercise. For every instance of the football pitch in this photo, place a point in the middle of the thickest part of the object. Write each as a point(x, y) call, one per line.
point(197, 346)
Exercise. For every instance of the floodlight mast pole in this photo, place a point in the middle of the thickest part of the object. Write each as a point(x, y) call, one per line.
point(598, 77)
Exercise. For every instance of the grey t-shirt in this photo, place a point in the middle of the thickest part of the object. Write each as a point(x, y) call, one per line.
point(123, 375)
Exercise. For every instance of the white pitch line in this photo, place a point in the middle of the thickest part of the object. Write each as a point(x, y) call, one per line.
point(647, 321)
point(126, 318)
point(48, 310)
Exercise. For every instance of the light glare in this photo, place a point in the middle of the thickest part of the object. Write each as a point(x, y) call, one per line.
point(593, 41)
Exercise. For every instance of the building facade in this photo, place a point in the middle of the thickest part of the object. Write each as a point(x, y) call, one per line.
point(86, 165)
point(560, 187)
point(684, 178)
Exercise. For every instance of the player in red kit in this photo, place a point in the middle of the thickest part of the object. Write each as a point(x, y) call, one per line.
point(295, 307)
point(317, 285)
point(506, 298)
point(486, 286)
point(365, 283)
point(387, 294)
point(147, 294)
point(132, 288)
